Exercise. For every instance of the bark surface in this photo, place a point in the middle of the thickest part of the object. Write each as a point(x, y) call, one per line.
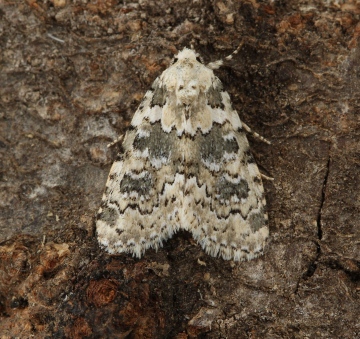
point(72, 75)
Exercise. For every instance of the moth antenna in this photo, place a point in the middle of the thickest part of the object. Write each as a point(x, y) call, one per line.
point(218, 63)
point(256, 135)
point(114, 142)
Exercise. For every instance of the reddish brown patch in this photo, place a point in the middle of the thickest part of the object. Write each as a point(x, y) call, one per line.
point(101, 292)
point(79, 329)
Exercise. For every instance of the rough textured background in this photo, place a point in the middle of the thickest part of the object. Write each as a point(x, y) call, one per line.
point(72, 75)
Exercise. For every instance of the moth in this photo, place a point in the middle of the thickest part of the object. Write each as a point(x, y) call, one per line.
point(186, 164)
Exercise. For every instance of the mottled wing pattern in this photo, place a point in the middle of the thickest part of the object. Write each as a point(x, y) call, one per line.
point(186, 164)
point(138, 208)
point(224, 195)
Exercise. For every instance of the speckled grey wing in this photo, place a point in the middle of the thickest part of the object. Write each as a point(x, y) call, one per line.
point(143, 193)
point(224, 195)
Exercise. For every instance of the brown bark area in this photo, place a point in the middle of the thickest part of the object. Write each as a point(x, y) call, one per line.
point(72, 75)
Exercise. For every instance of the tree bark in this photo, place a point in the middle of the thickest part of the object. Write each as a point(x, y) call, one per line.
point(72, 75)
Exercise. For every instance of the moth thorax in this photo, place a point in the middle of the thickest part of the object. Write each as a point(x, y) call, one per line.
point(187, 92)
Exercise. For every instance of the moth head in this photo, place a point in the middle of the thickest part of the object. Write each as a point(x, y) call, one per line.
point(187, 55)
point(187, 77)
